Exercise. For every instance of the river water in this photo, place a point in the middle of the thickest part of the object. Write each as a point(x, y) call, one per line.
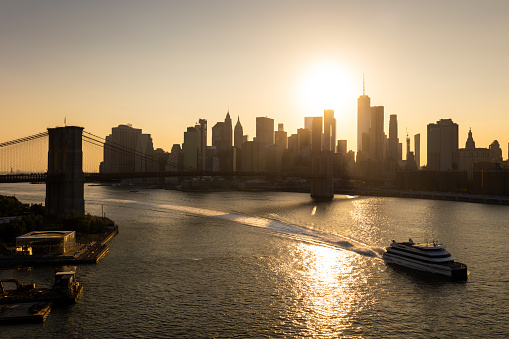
point(239, 264)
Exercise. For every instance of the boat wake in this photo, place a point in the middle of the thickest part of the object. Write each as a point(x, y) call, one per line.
point(282, 228)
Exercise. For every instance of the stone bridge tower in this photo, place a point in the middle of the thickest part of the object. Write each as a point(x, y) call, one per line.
point(65, 184)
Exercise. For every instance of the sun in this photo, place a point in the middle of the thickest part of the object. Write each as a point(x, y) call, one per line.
point(326, 85)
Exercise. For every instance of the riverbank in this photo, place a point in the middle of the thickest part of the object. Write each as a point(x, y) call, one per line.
point(380, 192)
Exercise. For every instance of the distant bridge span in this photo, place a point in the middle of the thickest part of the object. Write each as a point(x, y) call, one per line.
point(95, 177)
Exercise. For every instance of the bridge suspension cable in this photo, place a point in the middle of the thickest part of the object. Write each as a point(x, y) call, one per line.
point(121, 149)
point(25, 139)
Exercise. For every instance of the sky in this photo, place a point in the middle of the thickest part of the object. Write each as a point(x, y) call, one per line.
point(163, 65)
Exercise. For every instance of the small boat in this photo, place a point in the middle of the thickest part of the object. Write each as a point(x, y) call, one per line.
point(428, 257)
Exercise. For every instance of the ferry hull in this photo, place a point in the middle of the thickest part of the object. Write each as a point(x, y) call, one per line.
point(455, 273)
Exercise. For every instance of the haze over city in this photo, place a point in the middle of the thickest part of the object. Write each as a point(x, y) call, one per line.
point(163, 65)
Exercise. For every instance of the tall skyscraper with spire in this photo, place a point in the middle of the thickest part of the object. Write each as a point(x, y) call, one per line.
point(363, 117)
point(227, 130)
point(238, 134)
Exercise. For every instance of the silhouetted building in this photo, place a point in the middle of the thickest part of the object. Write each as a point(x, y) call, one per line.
point(329, 131)
point(238, 135)
point(417, 148)
point(190, 149)
point(128, 150)
point(495, 151)
point(308, 123)
point(443, 146)
point(293, 143)
point(470, 154)
point(222, 134)
point(342, 146)
point(202, 144)
point(175, 159)
point(316, 136)
point(392, 149)
point(363, 119)
point(265, 130)
point(304, 138)
point(376, 134)
point(281, 137)
point(253, 157)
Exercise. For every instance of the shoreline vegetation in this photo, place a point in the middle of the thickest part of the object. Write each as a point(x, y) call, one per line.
point(17, 218)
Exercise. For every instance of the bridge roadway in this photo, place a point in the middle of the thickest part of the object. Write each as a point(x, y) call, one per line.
point(94, 177)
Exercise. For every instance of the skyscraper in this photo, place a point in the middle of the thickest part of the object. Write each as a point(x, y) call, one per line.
point(127, 149)
point(265, 130)
point(329, 131)
point(202, 144)
point(392, 149)
point(376, 133)
point(316, 136)
point(190, 148)
point(222, 134)
point(443, 145)
point(238, 134)
point(417, 150)
point(227, 130)
point(281, 138)
point(363, 117)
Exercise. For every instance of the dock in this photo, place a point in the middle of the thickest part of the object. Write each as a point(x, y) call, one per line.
point(35, 312)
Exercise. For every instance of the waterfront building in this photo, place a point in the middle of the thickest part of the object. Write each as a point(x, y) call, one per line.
point(46, 242)
point(442, 145)
point(363, 119)
point(281, 138)
point(329, 131)
point(265, 130)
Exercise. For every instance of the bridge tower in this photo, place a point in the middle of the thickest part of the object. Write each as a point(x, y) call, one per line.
point(65, 184)
point(322, 188)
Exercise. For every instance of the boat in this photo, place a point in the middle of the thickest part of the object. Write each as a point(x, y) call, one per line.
point(65, 289)
point(427, 257)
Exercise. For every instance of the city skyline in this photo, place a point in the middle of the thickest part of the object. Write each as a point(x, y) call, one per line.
point(163, 66)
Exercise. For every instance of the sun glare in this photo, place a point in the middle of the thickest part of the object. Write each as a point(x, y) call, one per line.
point(326, 86)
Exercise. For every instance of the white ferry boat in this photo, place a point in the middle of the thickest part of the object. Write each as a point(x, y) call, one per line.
point(429, 257)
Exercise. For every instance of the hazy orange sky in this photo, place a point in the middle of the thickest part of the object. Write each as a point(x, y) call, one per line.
point(162, 65)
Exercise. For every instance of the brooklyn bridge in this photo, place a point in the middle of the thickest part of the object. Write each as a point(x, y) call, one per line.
point(65, 158)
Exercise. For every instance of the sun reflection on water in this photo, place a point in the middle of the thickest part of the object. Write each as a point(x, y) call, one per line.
point(325, 291)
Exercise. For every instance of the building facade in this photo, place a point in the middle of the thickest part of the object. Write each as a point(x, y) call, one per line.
point(442, 145)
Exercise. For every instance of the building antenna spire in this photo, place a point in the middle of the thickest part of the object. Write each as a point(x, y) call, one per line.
point(363, 85)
